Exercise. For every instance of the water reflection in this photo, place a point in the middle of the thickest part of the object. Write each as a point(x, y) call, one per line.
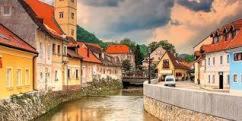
point(111, 108)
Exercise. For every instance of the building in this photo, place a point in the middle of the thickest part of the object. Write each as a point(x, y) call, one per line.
point(15, 77)
point(171, 65)
point(39, 22)
point(234, 49)
point(110, 68)
point(90, 64)
point(74, 80)
point(199, 64)
point(155, 56)
point(121, 53)
point(66, 16)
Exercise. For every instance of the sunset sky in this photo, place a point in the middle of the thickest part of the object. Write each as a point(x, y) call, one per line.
point(182, 22)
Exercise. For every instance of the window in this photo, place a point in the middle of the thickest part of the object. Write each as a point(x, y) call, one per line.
point(235, 78)
point(238, 56)
point(53, 49)
point(178, 74)
point(58, 49)
point(61, 14)
point(166, 64)
point(9, 77)
point(18, 77)
point(213, 79)
point(72, 1)
point(213, 60)
point(41, 75)
point(72, 15)
point(221, 59)
point(208, 78)
point(27, 77)
point(77, 74)
point(56, 75)
point(227, 58)
point(228, 79)
point(7, 11)
point(68, 73)
point(64, 50)
point(208, 61)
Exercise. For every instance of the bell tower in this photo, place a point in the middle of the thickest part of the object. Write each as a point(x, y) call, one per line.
point(66, 16)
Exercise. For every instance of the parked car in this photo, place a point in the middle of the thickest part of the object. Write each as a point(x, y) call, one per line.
point(170, 81)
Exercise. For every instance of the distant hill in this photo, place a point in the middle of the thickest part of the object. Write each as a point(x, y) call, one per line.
point(85, 36)
point(187, 57)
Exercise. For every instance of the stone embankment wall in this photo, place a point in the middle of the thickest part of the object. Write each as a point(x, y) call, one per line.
point(185, 104)
point(26, 107)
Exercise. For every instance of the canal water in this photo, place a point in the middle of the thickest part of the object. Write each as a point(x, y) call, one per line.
point(124, 106)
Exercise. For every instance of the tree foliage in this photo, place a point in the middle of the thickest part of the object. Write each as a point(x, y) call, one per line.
point(139, 57)
point(164, 44)
point(190, 58)
point(126, 65)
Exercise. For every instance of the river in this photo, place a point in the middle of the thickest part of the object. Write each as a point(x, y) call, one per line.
point(124, 106)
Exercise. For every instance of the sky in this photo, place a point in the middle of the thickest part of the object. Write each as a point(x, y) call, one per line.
point(182, 22)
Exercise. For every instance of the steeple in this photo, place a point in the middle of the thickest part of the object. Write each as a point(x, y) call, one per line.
point(66, 16)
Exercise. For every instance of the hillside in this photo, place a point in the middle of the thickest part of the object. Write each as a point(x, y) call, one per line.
point(85, 36)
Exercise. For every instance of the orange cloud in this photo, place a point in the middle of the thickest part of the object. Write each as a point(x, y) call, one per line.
point(193, 26)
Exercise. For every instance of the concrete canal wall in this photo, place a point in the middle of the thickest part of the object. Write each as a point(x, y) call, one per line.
point(29, 106)
point(183, 104)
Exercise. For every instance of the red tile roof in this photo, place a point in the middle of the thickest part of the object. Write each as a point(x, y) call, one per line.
point(177, 63)
point(86, 54)
point(226, 44)
point(44, 14)
point(9, 39)
point(118, 49)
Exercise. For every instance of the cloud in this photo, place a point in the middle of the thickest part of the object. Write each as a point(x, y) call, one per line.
point(196, 25)
point(197, 5)
point(101, 3)
point(142, 14)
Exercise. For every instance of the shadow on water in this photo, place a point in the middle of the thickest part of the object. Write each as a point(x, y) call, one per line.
point(122, 105)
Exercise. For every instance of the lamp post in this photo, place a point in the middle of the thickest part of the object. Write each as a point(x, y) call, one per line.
point(149, 61)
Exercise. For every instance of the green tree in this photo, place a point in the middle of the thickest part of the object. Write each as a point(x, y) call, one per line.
point(129, 43)
point(190, 58)
point(139, 57)
point(164, 44)
point(126, 65)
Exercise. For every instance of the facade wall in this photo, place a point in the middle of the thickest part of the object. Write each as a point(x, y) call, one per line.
point(165, 71)
point(15, 62)
point(214, 66)
point(206, 41)
point(89, 70)
point(122, 57)
point(235, 69)
point(109, 71)
point(74, 79)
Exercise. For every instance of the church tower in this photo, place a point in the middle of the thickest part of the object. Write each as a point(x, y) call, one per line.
point(66, 16)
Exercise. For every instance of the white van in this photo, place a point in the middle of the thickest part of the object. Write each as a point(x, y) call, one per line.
point(170, 81)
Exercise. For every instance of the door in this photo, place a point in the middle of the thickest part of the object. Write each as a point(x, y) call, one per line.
point(221, 80)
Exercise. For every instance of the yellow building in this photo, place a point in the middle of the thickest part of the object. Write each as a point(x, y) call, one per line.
point(171, 65)
point(66, 16)
point(17, 63)
point(74, 80)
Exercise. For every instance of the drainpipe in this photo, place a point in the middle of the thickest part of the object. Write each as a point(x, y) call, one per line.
point(34, 70)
